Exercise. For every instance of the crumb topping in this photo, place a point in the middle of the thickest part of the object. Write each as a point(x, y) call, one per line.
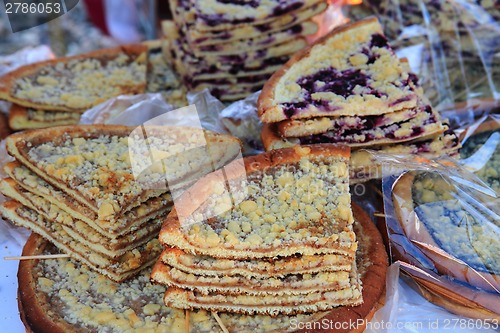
point(471, 237)
point(306, 202)
point(81, 84)
point(102, 168)
point(90, 301)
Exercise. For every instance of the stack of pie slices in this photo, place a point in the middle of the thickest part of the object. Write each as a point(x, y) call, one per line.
point(282, 241)
point(350, 88)
point(101, 193)
point(232, 48)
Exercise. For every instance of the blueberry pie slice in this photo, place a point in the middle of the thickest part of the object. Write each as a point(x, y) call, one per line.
point(351, 71)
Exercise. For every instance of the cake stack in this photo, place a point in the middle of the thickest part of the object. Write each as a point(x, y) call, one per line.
point(286, 246)
point(78, 187)
point(232, 48)
point(350, 88)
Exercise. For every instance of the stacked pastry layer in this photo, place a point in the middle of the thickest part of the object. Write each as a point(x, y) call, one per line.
point(285, 246)
point(78, 186)
point(232, 48)
point(57, 92)
point(350, 88)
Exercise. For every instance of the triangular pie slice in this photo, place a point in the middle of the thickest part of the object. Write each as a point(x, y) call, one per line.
point(117, 269)
point(287, 202)
point(219, 267)
point(425, 124)
point(79, 82)
point(112, 169)
point(351, 71)
point(128, 223)
point(291, 284)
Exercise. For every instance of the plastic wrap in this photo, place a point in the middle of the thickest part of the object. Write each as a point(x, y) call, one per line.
point(443, 222)
point(452, 45)
point(238, 119)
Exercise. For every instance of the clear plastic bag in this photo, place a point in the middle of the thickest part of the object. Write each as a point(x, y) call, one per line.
point(452, 45)
point(443, 222)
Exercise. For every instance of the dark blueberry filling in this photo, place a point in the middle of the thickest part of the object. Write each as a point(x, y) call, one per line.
point(261, 53)
point(254, 3)
point(341, 83)
point(413, 79)
point(347, 134)
point(263, 27)
point(296, 29)
point(379, 40)
point(400, 100)
point(268, 40)
point(210, 48)
point(213, 20)
point(371, 56)
point(286, 7)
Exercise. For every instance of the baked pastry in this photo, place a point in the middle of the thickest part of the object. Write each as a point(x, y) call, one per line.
point(290, 285)
point(287, 211)
point(447, 233)
point(25, 118)
point(372, 101)
point(117, 269)
point(136, 228)
point(351, 71)
point(233, 58)
point(266, 304)
point(100, 193)
point(30, 184)
point(474, 139)
point(286, 21)
point(64, 156)
point(259, 227)
point(71, 291)
point(278, 267)
point(370, 249)
point(69, 84)
point(212, 15)
point(257, 43)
